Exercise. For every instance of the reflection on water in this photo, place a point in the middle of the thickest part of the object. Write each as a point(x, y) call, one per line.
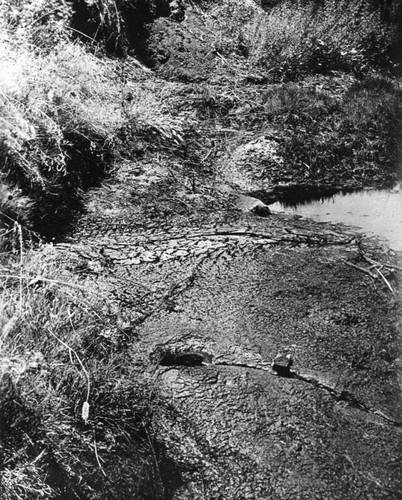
point(376, 212)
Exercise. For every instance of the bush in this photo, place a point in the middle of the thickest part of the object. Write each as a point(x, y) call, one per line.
point(292, 39)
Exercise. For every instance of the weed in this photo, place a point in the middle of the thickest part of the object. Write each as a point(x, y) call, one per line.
point(73, 421)
point(292, 39)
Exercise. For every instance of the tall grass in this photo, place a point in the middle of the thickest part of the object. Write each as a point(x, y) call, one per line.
point(63, 351)
point(74, 413)
point(58, 113)
point(62, 116)
point(350, 141)
point(294, 39)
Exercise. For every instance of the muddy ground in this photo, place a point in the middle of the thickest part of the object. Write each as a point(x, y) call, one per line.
point(209, 293)
point(263, 351)
point(210, 288)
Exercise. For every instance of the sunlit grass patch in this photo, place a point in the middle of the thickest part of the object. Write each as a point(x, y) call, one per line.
point(58, 114)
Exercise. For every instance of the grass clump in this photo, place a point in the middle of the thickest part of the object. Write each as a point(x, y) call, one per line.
point(57, 125)
point(286, 41)
point(62, 349)
point(293, 40)
point(351, 140)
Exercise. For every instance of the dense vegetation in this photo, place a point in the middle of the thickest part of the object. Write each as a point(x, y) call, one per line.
point(318, 76)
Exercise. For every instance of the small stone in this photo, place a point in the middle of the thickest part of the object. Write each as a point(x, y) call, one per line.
point(281, 364)
point(261, 210)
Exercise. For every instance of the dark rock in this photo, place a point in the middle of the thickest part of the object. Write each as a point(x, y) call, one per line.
point(250, 204)
point(282, 363)
point(261, 210)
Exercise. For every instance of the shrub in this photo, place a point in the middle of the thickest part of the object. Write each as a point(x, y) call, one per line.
point(292, 39)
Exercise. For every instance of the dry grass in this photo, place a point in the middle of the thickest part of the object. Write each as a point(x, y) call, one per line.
point(293, 39)
point(61, 113)
point(57, 109)
point(74, 409)
point(297, 39)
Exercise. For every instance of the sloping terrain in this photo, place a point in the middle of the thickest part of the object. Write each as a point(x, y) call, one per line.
point(169, 337)
point(210, 302)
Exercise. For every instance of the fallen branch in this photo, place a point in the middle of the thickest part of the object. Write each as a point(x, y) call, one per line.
point(385, 280)
point(377, 267)
point(362, 269)
point(375, 263)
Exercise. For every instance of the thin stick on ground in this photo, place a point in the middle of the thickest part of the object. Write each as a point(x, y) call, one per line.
point(361, 269)
point(73, 351)
point(97, 456)
point(18, 226)
point(385, 280)
point(376, 263)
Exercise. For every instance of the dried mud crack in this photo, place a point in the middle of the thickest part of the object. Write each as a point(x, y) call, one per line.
point(209, 298)
point(191, 358)
point(164, 333)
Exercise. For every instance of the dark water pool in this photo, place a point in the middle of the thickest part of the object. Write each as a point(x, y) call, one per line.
point(376, 212)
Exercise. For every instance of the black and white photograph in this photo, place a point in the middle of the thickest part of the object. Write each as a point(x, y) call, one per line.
point(201, 249)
